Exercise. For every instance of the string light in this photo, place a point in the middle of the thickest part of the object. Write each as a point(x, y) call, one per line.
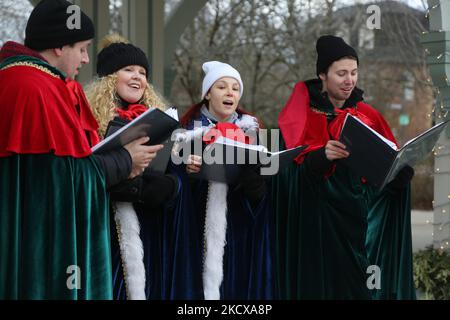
point(440, 111)
point(441, 225)
point(437, 206)
point(439, 57)
point(427, 13)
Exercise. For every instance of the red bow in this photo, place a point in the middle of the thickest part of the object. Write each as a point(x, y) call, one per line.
point(227, 130)
point(133, 111)
point(336, 124)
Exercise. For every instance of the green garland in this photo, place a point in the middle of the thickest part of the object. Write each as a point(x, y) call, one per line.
point(432, 273)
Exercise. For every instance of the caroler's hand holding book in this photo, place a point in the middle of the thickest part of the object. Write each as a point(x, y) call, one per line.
point(156, 124)
point(225, 159)
point(378, 159)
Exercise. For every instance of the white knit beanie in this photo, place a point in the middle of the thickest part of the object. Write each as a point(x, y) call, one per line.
point(214, 70)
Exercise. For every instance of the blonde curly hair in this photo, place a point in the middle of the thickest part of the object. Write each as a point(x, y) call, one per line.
point(102, 95)
point(103, 99)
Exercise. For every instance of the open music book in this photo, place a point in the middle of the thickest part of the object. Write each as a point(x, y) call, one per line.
point(378, 159)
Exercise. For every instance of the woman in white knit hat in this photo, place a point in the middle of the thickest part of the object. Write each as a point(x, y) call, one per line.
point(235, 220)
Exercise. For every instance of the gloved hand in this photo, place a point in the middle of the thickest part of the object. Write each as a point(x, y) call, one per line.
point(158, 189)
point(129, 190)
point(253, 185)
point(403, 177)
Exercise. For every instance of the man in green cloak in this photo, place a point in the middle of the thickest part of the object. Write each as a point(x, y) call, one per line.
point(337, 236)
point(54, 217)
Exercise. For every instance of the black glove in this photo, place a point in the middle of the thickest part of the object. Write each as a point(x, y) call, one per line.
point(128, 190)
point(158, 189)
point(402, 178)
point(253, 185)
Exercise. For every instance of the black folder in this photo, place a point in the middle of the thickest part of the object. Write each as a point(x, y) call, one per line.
point(375, 158)
point(224, 160)
point(154, 123)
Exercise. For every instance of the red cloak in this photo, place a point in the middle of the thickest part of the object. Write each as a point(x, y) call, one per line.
point(38, 115)
point(301, 125)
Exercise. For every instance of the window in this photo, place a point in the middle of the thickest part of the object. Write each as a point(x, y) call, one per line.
point(408, 87)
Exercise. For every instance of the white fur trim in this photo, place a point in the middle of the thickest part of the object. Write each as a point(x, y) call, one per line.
point(131, 250)
point(247, 122)
point(214, 239)
point(181, 138)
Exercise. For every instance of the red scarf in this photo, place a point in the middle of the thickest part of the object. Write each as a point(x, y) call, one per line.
point(133, 111)
point(335, 126)
point(227, 130)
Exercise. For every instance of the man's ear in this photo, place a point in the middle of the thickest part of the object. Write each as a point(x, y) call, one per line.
point(58, 51)
point(322, 76)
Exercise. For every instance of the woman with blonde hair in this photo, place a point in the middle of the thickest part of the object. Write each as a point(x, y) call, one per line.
point(149, 248)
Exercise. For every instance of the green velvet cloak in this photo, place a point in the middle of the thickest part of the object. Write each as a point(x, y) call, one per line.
point(329, 231)
point(53, 216)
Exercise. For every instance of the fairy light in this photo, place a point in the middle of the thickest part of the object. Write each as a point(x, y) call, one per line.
point(439, 111)
point(427, 13)
point(439, 57)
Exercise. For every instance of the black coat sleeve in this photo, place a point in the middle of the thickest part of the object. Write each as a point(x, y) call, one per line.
point(151, 189)
point(158, 189)
point(129, 190)
point(401, 180)
point(317, 161)
point(116, 164)
point(253, 185)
